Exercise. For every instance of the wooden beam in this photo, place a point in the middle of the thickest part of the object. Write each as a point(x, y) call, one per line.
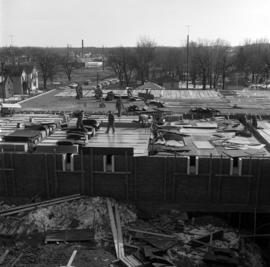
point(119, 233)
point(113, 227)
point(28, 207)
point(71, 259)
point(149, 233)
point(3, 257)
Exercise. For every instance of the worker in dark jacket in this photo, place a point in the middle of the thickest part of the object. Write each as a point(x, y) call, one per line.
point(119, 105)
point(110, 122)
point(79, 124)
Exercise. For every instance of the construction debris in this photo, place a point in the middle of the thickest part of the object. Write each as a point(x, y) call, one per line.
point(71, 259)
point(76, 213)
point(73, 235)
point(169, 239)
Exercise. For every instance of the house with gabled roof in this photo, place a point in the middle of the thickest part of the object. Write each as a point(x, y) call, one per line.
point(6, 86)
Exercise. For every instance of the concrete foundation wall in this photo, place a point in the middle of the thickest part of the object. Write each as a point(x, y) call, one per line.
point(203, 184)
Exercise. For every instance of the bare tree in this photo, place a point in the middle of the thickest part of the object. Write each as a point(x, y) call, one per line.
point(115, 62)
point(202, 58)
point(252, 60)
point(48, 64)
point(123, 62)
point(68, 66)
point(220, 61)
point(145, 54)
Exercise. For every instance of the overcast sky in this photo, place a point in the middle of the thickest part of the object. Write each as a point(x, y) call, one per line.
point(123, 22)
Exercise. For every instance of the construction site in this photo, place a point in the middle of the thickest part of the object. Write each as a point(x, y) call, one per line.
point(183, 180)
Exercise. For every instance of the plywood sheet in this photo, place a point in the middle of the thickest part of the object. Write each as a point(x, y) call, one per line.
point(203, 145)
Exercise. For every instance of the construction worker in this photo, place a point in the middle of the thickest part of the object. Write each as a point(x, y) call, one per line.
point(119, 106)
point(78, 91)
point(129, 91)
point(101, 103)
point(144, 119)
point(110, 122)
point(79, 124)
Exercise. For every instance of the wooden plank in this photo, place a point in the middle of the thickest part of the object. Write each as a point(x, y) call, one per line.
point(126, 262)
point(3, 256)
point(149, 233)
point(203, 145)
point(12, 264)
point(69, 235)
point(113, 227)
point(28, 207)
point(119, 233)
point(206, 239)
point(71, 259)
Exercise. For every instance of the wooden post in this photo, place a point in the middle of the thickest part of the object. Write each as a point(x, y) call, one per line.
point(14, 183)
point(165, 179)
point(126, 176)
point(46, 175)
point(255, 221)
point(210, 178)
point(91, 172)
point(239, 221)
point(3, 172)
point(82, 175)
point(135, 177)
point(258, 183)
point(220, 178)
point(249, 180)
point(174, 178)
point(55, 175)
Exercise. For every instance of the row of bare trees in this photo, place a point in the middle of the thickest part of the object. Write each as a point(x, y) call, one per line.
point(127, 61)
point(210, 63)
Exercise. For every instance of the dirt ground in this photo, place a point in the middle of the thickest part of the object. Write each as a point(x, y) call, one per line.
point(49, 102)
point(83, 74)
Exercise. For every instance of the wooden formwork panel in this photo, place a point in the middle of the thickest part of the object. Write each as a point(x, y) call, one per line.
point(149, 178)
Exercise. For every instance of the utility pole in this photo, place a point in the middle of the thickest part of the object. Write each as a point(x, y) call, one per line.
point(187, 70)
point(103, 57)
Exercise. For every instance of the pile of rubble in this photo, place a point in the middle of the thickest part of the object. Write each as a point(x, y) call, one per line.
point(169, 239)
point(82, 213)
point(174, 240)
